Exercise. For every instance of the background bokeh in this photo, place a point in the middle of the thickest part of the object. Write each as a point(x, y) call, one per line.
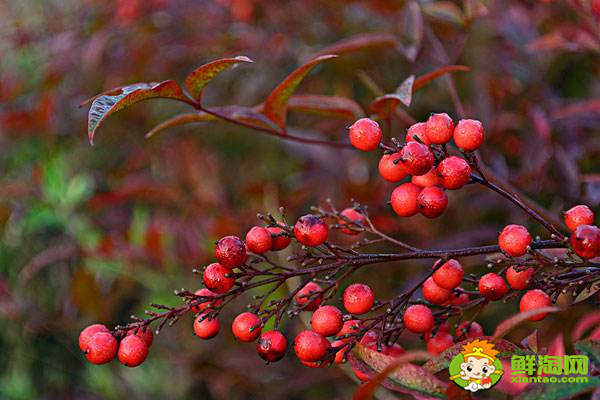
point(96, 233)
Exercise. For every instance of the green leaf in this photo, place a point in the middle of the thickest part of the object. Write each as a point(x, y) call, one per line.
point(333, 106)
point(445, 11)
point(359, 42)
point(510, 323)
point(201, 76)
point(275, 106)
point(553, 391)
point(586, 293)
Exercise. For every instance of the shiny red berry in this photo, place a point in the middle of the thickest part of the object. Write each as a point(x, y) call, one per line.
point(365, 134)
point(404, 199)
point(434, 293)
point(280, 239)
point(520, 279)
point(101, 348)
point(215, 279)
point(439, 128)
point(87, 333)
point(302, 297)
point(454, 172)
point(230, 251)
point(456, 300)
point(205, 293)
point(578, 215)
point(533, 300)
point(585, 241)
point(206, 328)
point(246, 327)
point(432, 201)
point(449, 275)
point(492, 286)
point(143, 333)
point(327, 320)
point(468, 330)
point(514, 240)
point(417, 158)
point(358, 298)
point(258, 240)
point(311, 230)
point(370, 339)
point(440, 342)
point(469, 134)
point(354, 216)
point(132, 351)
point(310, 346)
point(391, 167)
point(429, 179)
point(271, 346)
point(418, 318)
point(419, 130)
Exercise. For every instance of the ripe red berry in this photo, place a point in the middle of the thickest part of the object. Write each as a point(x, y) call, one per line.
point(310, 346)
point(444, 327)
point(429, 179)
point(280, 240)
point(520, 279)
point(417, 158)
point(327, 320)
point(449, 275)
point(418, 318)
point(143, 333)
point(358, 298)
point(215, 279)
point(404, 199)
point(469, 134)
point(514, 240)
point(302, 297)
point(271, 346)
point(206, 328)
point(585, 241)
point(101, 348)
point(206, 293)
point(535, 299)
point(132, 351)
point(246, 327)
point(439, 128)
point(258, 240)
point(391, 167)
point(230, 251)
point(87, 333)
point(370, 339)
point(365, 134)
point(440, 342)
point(310, 230)
point(355, 217)
point(432, 201)
point(474, 331)
point(340, 355)
point(350, 326)
point(434, 293)
point(454, 172)
point(456, 300)
point(578, 215)
point(492, 286)
point(419, 130)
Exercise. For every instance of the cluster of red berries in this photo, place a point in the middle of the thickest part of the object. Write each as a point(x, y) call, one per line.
point(101, 346)
point(425, 193)
point(585, 237)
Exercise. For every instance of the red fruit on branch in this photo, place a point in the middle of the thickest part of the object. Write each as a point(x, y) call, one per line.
point(230, 251)
point(206, 327)
point(416, 158)
point(246, 327)
point(492, 286)
point(132, 351)
point(468, 134)
point(87, 333)
point(449, 275)
point(533, 300)
point(302, 297)
point(206, 293)
point(429, 179)
point(340, 355)
point(365, 134)
point(578, 215)
point(144, 333)
point(349, 327)
point(216, 280)
point(432, 201)
point(514, 240)
point(391, 167)
point(468, 330)
point(454, 172)
point(271, 346)
point(101, 348)
point(358, 298)
point(404, 199)
point(258, 240)
point(585, 241)
point(434, 293)
point(280, 239)
point(419, 130)
point(311, 230)
point(354, 216)
point(456, 300)
point(520, 279)
point(440, 342)
point(327, 320)
point(418, 318)
point(310, 346)
point(439, 128)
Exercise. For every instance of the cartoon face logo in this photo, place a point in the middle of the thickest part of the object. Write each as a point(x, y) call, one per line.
point(476, 367)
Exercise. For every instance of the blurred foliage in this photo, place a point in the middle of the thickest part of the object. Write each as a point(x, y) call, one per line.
point(96, 233)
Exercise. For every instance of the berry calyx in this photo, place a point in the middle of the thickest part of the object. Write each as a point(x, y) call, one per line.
point(358, 298)
point(258, 240)
point(354, 216)
point(514, 240)
point(310, 346)
point(271, 346)
point(246, 327)
point(365, 134)
point(492, 286)
point(520, 279)
point(215, 279)
point(311, 230)
point(585, 241)
point(206, 293)
point(440, 342)
point(533, 300)
point(101, 348)
point(304, 295)
point(391, 167)
point(280, 239)
point(418, 318)
point(404, 199)
point(468, 134)
point(327, 320)
point(454, 172)
point(87, 333)
point(206, 327)
point(468, 330)
point(132, 351)
point(230, 251)
point(429, 179)
point(432, 201)
point(416, 158)
point(419, 130)
point(434, 293)
point(439, 128)
point(144, 333)
point(449, 275)
point(578, 215)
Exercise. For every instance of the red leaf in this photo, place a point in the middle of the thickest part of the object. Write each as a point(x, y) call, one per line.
point(199, 78)
point(576, 109)
point(180, 119)
point(412, 30)
point(360, 42)
point(335, 106)
point(430, 76)
point(384, 105)
point(275, 106)
point(509, 324)
point(586, 323)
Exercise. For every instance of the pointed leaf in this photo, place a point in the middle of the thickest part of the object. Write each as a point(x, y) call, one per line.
point(335, 106)
point(430, 76)
point(531, 341)
point(180, 119)
point(412, 30)
point(384, 105)
point(199, 78)
point(510, 323)
point(275, 106)
point(445, 11)
point(360, 42)
point(120, 98)
point(587, 292)
point(245, 114)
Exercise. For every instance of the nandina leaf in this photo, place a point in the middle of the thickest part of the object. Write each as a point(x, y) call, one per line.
point(181, 119)
point(559, 390)
point(445, 11)
point(384, 105)
point(586, 323)
point(587, 292)
point(510, 323)
point(117, 99)
point(430, 76)
point(360, 42)
point(199, 78)
point(335, 106)
point(275, 106)
point(412, 30)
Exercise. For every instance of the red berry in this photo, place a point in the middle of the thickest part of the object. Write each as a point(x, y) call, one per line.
point(391, 167)
point(469, 134)
point(271, 346)
point(427, 180)
point(242, 327)
point(418, 318)
point(404, 199)
point(439, 128)
point(417, 158)
point(355, 217)
point(230, 251)
point(358, 298)
point(132, 351)
point(205, 293)
point(520, 279)
point(492, 286)
point(310, 230)
point(310, 346)
point(449, 275)
point(585, 241)
point(514, 240)
point(535, 299)
point(258, 240)
point(280, 241)
point(474, 331)
point(87, 333)
point(440, 342)
point(101, 348)
point(454, 172)
point(206, 328)
point(456, 300)
point(349, 327)
point(434, 293)
point(340, 355)
point(432, 201)
point(327, 320)
point(143, 333)
point(419, 130)
point(579, 215)
point(316, 364)
point(215, 279)
point(444, 327)
point(370, 339)
point(302, 297)
point(365, 134)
